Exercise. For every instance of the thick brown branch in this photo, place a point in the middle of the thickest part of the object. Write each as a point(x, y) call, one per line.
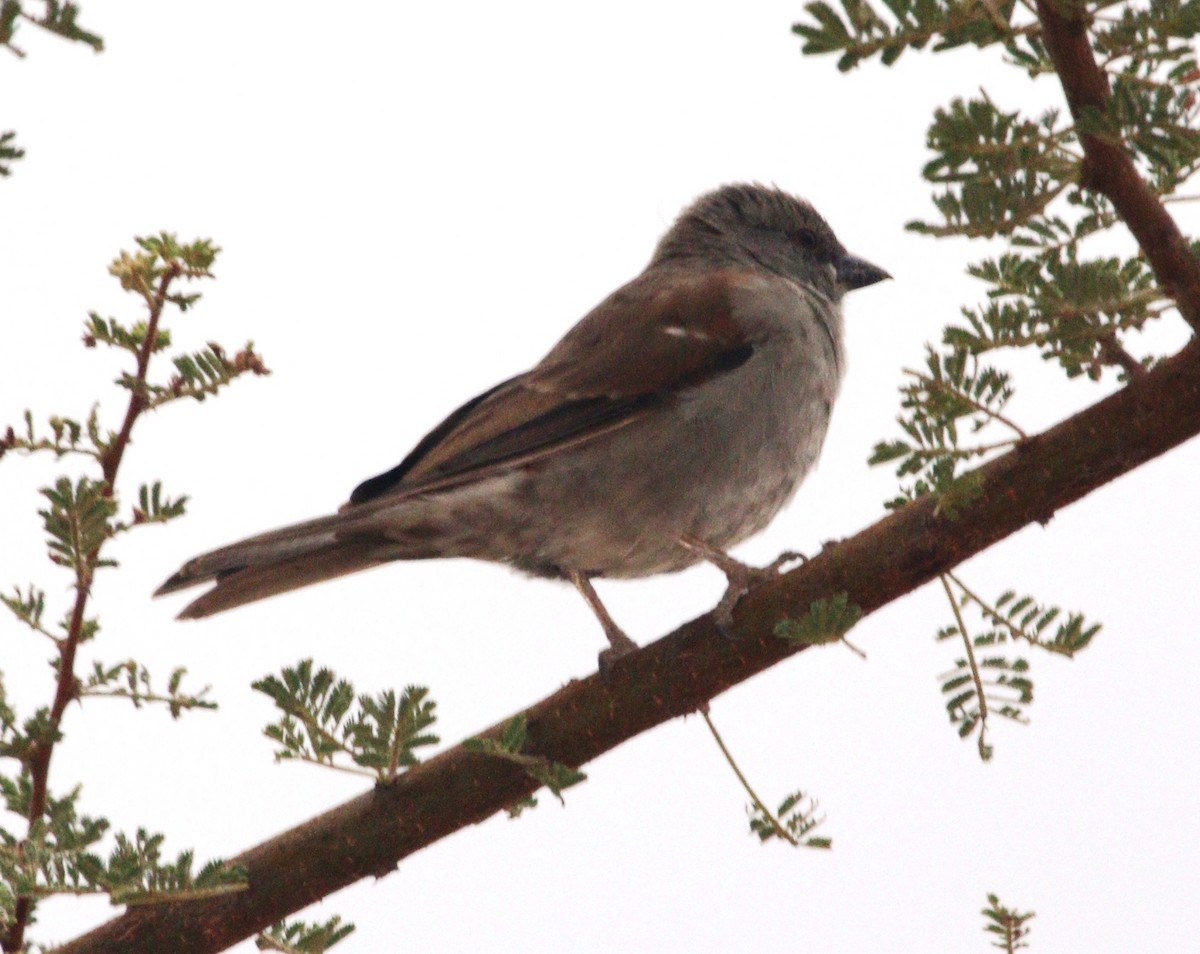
point(1108, 168)
point(676, 675)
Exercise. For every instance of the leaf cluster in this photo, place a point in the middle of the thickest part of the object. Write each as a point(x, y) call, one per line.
point(797, 814)
point(60, 19)
point(130, 680)
point(161, 257)
point(1008, 926)
point(827, 622)
point(77, 523)
point(859, 32)
point(986, 682)
point(9, 152)
point(998, 173)
point(324, 722)
point(61, 855)
point(510, 746)
point(151, 274)
point(302, 937)
point(950, 399)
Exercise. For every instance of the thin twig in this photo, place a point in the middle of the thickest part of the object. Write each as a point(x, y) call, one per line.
point(758, 802)
point(148, 698)
point(938, 384)
point(1017, 632)
point(1111, 352)
point(110, 460)
point(964, 453)
point(854, 649)
point(975, 675)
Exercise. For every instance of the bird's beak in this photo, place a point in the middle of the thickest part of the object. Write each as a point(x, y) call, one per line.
point(856, 273)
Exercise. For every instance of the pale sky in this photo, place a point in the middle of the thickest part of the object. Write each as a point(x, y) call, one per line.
point(416, 201)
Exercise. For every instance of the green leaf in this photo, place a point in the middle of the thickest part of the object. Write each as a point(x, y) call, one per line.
point(153, 507)
point(827, 622)
point(137, 874)
point(9, 152)
point(797, 814)
point(1007, 925)
point(78, 522)
point(131, 680)
point(323, 722)
point(980, 686)
point(28, 607)
point(302, 937)
point(509, 747)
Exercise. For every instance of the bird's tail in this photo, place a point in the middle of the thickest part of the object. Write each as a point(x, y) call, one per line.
point(283, 560)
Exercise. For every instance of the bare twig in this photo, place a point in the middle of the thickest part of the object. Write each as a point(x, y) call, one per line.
point(980, 694)
point(758, 802)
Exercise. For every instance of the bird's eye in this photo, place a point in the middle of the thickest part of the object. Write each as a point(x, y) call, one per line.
point(805, 238)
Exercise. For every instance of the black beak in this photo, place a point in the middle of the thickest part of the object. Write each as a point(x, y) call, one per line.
point(856, 273)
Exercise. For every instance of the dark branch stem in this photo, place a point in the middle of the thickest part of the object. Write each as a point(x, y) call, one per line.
point(110, 461)
point(67, 688)
point(1108, 169)
point(775, 823)
point(1111, 352)
point(676, 675)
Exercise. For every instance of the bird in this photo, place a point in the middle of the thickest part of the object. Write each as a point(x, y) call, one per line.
point(673, 421)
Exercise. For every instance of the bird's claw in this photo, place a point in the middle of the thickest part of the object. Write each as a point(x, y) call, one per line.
point(740, 576)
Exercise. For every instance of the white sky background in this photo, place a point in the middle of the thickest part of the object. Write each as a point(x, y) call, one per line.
point(415, 201)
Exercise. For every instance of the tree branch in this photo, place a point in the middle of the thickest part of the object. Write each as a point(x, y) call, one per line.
point(681, 672)
point(110, 460)
point(67, 684)
point(369, 835)
point(1107, 168)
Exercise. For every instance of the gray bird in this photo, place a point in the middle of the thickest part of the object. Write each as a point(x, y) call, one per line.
point(673, 421)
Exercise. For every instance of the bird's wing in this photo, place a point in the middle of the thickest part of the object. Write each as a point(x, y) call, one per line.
point(637, 349)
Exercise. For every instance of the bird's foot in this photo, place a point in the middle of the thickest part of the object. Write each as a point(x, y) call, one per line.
point(740, 577)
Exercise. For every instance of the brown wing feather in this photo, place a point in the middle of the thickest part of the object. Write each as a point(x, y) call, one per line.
point(591, 383)
point(676, 331)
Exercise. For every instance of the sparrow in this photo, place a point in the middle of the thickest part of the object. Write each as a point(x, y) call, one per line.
point(673, 421)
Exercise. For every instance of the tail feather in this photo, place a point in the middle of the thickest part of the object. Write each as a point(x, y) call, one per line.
point(250, 583)
point(282, 560)
point(295, 540)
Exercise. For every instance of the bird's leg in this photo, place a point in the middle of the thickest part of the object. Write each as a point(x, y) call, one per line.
point(618, 643)
point(739, 576)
